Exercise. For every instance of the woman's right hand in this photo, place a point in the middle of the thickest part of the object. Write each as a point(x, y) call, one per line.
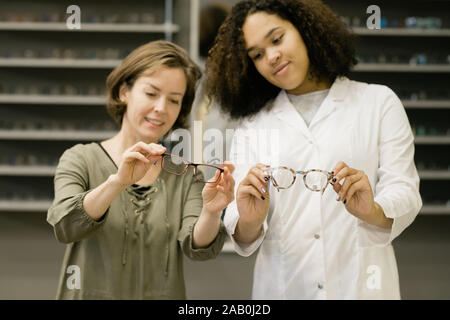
point(252, 197)
point(136, 161)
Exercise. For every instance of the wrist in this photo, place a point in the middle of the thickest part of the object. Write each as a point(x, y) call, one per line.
point(247, 232)
point(114, 182)
point(380, 219)
point(214, 214)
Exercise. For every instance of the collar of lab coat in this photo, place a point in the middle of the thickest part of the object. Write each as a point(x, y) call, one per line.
point(286, 112)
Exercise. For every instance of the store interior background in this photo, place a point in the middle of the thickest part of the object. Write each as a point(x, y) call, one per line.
point(38, 121)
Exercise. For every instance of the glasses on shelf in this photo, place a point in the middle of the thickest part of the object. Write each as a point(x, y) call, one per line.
point(206, 173)
point(314, 179)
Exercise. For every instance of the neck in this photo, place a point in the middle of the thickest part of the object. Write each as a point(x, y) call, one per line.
point(310, 85)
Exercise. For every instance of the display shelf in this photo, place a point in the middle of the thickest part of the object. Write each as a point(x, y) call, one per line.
point(52, 99)
point(59, 63)
point(90, 27)
point(40, 206)
point(67, 135)
point(434, 174)
point(432, 104)
point(432, 140)
point(24, 205)
point(101, 100)
point(435, 210)
point(8, 170)
point(399, 67)
point(42, 170)
point(402, 32)
point(109, 64)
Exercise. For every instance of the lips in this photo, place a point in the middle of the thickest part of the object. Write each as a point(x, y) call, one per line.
point(280, 69)
point(154, 121)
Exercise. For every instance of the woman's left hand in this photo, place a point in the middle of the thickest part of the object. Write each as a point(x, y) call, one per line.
point(217, 196)
point(355, 191)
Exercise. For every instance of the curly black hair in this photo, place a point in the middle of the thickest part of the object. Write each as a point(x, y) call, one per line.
point(232, 78)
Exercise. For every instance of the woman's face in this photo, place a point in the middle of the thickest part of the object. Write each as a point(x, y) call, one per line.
point(154, 103)
point(277, 49)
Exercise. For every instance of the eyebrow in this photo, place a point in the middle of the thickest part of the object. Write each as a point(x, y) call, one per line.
point(265, 37)
point(158, 89)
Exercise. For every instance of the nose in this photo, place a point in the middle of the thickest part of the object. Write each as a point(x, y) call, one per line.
point(160, 104)
point(273, 56)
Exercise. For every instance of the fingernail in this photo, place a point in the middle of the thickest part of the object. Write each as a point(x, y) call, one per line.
point(345, 201)
point(266, 179)
point(263, 198)
point(334, 180)
point(332, 172)
point(338, 198)
point(263, 190)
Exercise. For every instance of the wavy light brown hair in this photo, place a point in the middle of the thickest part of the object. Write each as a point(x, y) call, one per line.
point(232, 78)
point(143, 59)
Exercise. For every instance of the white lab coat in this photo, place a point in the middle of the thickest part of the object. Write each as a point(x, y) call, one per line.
point(311, 247)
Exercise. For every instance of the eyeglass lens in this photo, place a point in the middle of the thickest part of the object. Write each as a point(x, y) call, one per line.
point(177, 165)
point(174, 164)
point(314, 180)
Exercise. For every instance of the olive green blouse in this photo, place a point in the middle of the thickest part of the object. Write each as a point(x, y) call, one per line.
point(135, 250)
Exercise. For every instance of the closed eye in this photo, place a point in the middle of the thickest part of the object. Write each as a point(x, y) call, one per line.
point(278, 39)
point(256, 56)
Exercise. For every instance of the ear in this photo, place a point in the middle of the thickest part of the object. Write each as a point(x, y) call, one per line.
point(123, 93)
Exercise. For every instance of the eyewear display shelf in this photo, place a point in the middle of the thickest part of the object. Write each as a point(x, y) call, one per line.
point(411, 55)
point(52, 83)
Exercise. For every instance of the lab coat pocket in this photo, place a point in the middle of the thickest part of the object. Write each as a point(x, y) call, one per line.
point(268, 272)
point(378, 275)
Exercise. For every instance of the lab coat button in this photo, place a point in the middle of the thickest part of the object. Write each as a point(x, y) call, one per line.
point(320, 286)
point(316, 236)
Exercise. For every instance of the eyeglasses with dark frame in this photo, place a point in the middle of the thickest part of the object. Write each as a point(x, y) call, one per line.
point(314, 179)
point(177, 165)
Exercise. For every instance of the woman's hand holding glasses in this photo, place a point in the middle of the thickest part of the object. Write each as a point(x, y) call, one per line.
point(217, 196)
point(357, 195)
point(252, 200)
point(136, 161)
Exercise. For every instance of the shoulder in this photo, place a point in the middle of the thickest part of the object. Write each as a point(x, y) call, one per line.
point(82, 150)
point(372, 95)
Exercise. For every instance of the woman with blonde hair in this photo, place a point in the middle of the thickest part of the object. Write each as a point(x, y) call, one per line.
point(126, 208)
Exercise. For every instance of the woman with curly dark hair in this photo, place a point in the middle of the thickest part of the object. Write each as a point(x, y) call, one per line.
point(281, 66)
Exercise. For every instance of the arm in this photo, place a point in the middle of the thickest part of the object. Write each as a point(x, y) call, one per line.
point(67, 214)
point(396, 200)
point(397, 188)
point(245, 218)
point(133, 166)
point(78, 211)
point(357, 196)
point(216, 197)
point(253, 201)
